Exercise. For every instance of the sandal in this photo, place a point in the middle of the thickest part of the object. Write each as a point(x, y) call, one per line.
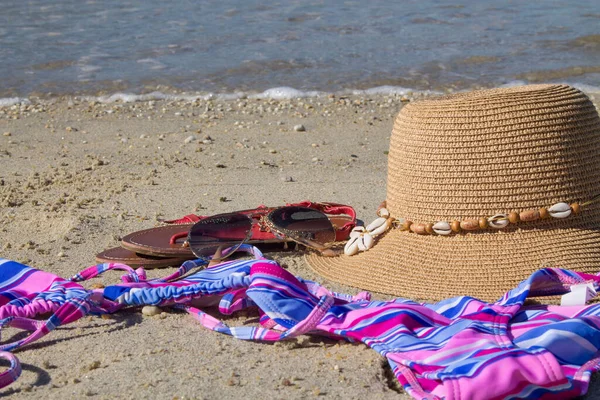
point(170, 240)
point(124, 256)
point(162, 241)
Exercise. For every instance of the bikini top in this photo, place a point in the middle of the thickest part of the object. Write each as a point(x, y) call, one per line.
point(451, 349)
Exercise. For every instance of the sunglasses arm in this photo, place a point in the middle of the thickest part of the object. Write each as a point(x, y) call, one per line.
point(324, 250)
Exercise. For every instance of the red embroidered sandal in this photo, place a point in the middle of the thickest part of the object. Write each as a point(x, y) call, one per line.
point(171, 241)
point(124, 256)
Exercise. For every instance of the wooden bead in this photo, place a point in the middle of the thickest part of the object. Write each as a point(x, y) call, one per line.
point(455, 226)
point(544, 213)
point(576, 208)
point(513, 217)
point(406, 225)
point(483, 223)
point(469, 224)
point(418, 228)
point(529, 215)
point(429, 228)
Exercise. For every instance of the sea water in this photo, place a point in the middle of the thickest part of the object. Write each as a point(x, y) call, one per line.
point(125, 49)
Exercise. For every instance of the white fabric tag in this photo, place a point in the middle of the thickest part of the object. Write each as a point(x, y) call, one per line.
point(579, 295)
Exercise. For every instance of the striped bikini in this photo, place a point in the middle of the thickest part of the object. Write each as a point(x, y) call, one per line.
point(460, 348)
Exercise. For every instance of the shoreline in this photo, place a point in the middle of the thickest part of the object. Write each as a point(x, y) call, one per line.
point(78, 175)
point(170, 94)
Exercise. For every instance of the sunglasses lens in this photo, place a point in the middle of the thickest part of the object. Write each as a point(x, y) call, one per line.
point(219, 231)
point(305, 225)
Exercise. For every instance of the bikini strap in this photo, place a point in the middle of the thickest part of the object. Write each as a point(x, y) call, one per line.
point(72, 310)
point(259, 333)
point(189, 265)
point(137, 275)
point(13, 372)
point(547, 282)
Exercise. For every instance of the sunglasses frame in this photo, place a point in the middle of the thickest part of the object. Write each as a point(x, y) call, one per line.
point(266, 224)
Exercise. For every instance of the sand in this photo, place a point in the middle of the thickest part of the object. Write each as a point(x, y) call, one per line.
point(75, 176)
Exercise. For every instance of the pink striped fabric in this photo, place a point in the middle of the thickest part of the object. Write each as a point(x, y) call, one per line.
point(460, 348)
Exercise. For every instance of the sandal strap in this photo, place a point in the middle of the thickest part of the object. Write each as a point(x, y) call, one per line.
point(341, 232)
point(186, 219)
point(177, 236)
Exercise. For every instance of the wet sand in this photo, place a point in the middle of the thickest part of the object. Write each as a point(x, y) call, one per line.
point(75, 176)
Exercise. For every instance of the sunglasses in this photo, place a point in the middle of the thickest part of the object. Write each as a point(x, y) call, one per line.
point(307, 226)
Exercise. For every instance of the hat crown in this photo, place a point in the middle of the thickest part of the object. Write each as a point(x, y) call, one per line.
point(485, 152)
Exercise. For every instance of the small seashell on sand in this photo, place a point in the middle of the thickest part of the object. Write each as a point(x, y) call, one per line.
point(151, 311)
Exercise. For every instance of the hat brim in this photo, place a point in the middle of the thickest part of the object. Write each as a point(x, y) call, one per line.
point(483, 265)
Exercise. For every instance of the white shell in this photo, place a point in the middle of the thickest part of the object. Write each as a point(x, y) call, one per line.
point(442, 228)
point(357, 231)
point(351, 247)
point(560, 210)
point(383, 212)
point(368, 241)
point(497, 223)
point(151, 311)
point(361, 243)
point(376, 224)
point(386, 225)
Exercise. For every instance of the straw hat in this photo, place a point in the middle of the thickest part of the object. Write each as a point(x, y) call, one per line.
point(471, 156)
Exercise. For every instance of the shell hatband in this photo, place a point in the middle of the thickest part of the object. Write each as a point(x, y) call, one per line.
point(362, 238)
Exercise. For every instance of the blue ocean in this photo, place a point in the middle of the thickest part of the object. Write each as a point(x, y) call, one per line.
point(231, 48)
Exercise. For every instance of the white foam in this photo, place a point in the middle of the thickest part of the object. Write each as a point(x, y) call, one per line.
point(11, 101)
point(228, 96)
point(121, 97)
point(89, 68)
point(513, 83)
point(131, 97)
point(383, 90)
point(152, 63)
point(284, 92)
point(590, 89)
point(277, 93)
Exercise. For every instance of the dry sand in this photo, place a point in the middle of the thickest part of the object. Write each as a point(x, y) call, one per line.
point(76, 176)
